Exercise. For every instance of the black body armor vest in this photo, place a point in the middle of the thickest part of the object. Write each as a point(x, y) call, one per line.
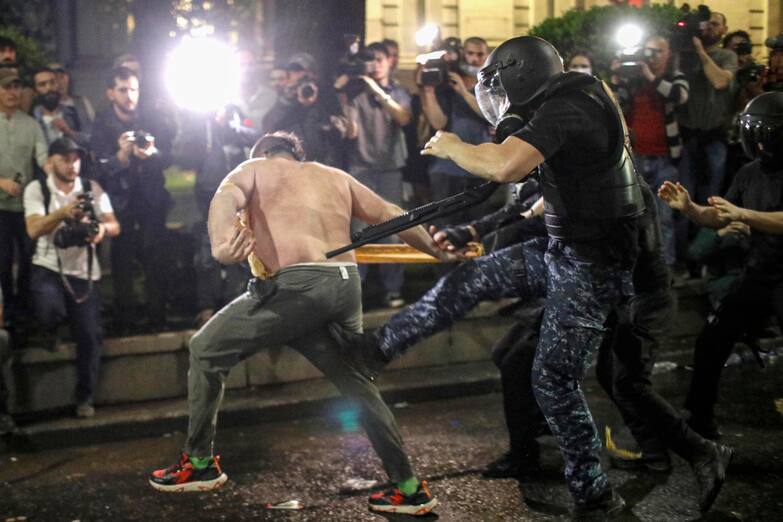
point(580, 207)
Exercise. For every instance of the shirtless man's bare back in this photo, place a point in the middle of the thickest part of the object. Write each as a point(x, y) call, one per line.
point(296, 212)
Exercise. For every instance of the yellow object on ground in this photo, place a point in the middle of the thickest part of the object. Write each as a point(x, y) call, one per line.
point(618, 452)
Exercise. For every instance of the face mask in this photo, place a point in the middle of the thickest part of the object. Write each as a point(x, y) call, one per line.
point(582, 69)
point(50, 101)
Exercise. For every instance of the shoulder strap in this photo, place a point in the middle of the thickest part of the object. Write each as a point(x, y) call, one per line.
point(47, 195)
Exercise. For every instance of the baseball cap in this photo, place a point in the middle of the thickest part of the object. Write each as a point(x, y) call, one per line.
point(303, 61)
point(8, 75)
point(63, 146)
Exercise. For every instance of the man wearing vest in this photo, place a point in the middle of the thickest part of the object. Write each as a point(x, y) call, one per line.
point(574, 136)
point(65, 268)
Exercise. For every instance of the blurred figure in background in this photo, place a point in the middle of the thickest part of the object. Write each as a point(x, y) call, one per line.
point(7, 424)
point(649, 93)
point(212, 145)
point(307, 109)
point(21, 143)
point(256, 97)
point(56, 120)
point(68, 98)
point(452, 107)
point(580, 61)
point(376, 113)
point(709, 71)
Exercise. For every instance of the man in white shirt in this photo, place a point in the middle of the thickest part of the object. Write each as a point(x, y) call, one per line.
point(62, 279)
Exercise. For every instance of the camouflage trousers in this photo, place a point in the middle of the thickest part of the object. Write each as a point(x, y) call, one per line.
point(494, 276)
point(579, 296)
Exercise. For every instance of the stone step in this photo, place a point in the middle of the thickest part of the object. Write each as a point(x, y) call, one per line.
point(256, 404)
point(154, 367)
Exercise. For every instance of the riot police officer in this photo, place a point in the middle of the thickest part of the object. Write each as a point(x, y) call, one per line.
point(574, 137)
point(754, 197)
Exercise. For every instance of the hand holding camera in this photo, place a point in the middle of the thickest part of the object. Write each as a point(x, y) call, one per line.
point(457, 83)
point(125, 148)
point(143, 144)
point(82, 226)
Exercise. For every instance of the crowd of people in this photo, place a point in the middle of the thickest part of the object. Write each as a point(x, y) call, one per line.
point(71, 178)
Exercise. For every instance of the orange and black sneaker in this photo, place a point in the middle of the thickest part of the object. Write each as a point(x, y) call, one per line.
point(183, 476)
point(393, 501)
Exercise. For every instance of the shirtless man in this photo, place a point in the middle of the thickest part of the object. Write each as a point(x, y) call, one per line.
point(296, 211)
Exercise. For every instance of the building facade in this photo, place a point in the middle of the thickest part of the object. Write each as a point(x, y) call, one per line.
point(498, 20)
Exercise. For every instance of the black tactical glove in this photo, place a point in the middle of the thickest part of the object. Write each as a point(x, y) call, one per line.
point(459, 235)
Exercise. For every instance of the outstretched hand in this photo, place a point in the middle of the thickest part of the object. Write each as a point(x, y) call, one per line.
point(726, 210)
point(675, 195)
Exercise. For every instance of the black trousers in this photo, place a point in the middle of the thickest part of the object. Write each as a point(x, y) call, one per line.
point(513, 354)
point(14, 243)
point(143, 239)
point(746, 308)
point(625, 361)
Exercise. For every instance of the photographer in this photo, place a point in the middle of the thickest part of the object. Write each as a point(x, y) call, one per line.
point(452, 107)
point(304, 110)
point(377, 110)
point(68, 216)
point(774, 72)
point(709, 71)
point(131, 156)
point(649, 91)
point(748, 84)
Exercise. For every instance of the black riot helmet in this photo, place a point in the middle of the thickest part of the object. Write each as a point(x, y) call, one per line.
point(761, 129)
point(516, 73)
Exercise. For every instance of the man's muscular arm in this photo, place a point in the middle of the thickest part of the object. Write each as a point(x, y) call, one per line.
point(770, 222)
point(506, 162)
point(371, 208)
point(229, 243)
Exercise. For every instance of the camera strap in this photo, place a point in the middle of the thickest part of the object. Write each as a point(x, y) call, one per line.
point(67, 284)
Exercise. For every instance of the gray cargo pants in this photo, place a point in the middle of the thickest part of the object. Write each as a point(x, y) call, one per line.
point(296, 308)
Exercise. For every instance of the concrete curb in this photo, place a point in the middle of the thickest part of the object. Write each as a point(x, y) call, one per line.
point(252, 406)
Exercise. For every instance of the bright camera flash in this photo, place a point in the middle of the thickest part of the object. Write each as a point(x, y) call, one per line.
point(202, 74)
point(426, 35)
point(629, 35)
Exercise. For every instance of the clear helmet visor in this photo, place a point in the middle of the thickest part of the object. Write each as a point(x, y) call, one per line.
point(492, 98)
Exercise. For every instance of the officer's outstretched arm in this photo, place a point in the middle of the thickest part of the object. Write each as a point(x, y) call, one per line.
point(771, 222)
point(506, 162)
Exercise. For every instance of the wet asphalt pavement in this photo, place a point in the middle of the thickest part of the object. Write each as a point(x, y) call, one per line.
point(450, 440)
